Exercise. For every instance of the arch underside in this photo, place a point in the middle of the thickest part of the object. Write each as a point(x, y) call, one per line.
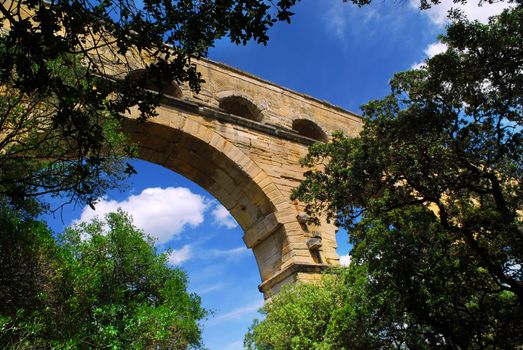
point(212, 153)
point(204, 165)
point(224, 178)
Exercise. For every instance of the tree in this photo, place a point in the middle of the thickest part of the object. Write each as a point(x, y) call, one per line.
point(76, 150)
point(431, 193)
point(29, 258)
point(103, 286)
point(335, 313)
point(296, 318)
point(60, 101)
point(427, 4)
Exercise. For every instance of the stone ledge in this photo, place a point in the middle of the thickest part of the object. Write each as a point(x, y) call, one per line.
point(261, 230)
point(289, 271)
point(348, 114)
point(213, 113)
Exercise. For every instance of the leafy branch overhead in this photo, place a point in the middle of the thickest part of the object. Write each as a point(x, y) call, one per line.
point(63, 69)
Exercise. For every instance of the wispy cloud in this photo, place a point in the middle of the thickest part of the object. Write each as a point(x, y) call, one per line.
point(230, 252)
point(220, 255)
point(238, 313)
point(342, 19)
point(198, 252)
point(161, 212)
point(209, 289)
point(179, 256)
point(222, 217)
point(336, 19)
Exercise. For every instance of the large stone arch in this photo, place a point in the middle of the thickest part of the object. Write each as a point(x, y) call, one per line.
point(211, 161)
point(249, 164)
point(199, 153)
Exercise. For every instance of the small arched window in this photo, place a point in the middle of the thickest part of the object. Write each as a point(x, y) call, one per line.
point(309, 129)
point(154, 82)
point(242, 107)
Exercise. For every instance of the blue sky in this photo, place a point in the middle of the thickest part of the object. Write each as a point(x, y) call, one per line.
point(333, 51)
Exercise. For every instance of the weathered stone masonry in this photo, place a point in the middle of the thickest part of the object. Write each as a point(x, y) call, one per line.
point(241, 139)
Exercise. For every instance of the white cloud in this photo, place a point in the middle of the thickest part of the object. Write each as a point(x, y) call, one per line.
point(473, 9)
point(345, 260)
point(176, 257)
point(160, 212)
point(417, 65)
point(431, 51)
point(222, 217)
point(435, 49)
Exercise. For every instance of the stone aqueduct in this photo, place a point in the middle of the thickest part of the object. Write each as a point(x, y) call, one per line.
point(241, 139)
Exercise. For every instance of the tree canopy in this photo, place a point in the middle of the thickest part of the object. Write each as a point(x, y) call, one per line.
point(431, 193)
point(102, 286)
point(338, 313)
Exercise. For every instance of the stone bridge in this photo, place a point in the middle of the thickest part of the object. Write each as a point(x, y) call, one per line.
point(241, 139)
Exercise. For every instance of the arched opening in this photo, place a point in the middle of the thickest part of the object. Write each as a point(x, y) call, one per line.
point(309, 129)
point(185, 147)
point(226, 174)
point(198, 161)
point(153, 82)
point(241, 106)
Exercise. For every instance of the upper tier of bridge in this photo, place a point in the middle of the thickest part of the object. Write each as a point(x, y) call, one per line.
point(229, 93)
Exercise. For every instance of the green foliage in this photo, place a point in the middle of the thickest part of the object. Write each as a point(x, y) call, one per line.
point(49, 145)
point(59, 103)
point(102, 286)
point(126, 295)
point(431, 193)
point(427, 4)
point(335, 314)
point(29, 258)
point(296, 318)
